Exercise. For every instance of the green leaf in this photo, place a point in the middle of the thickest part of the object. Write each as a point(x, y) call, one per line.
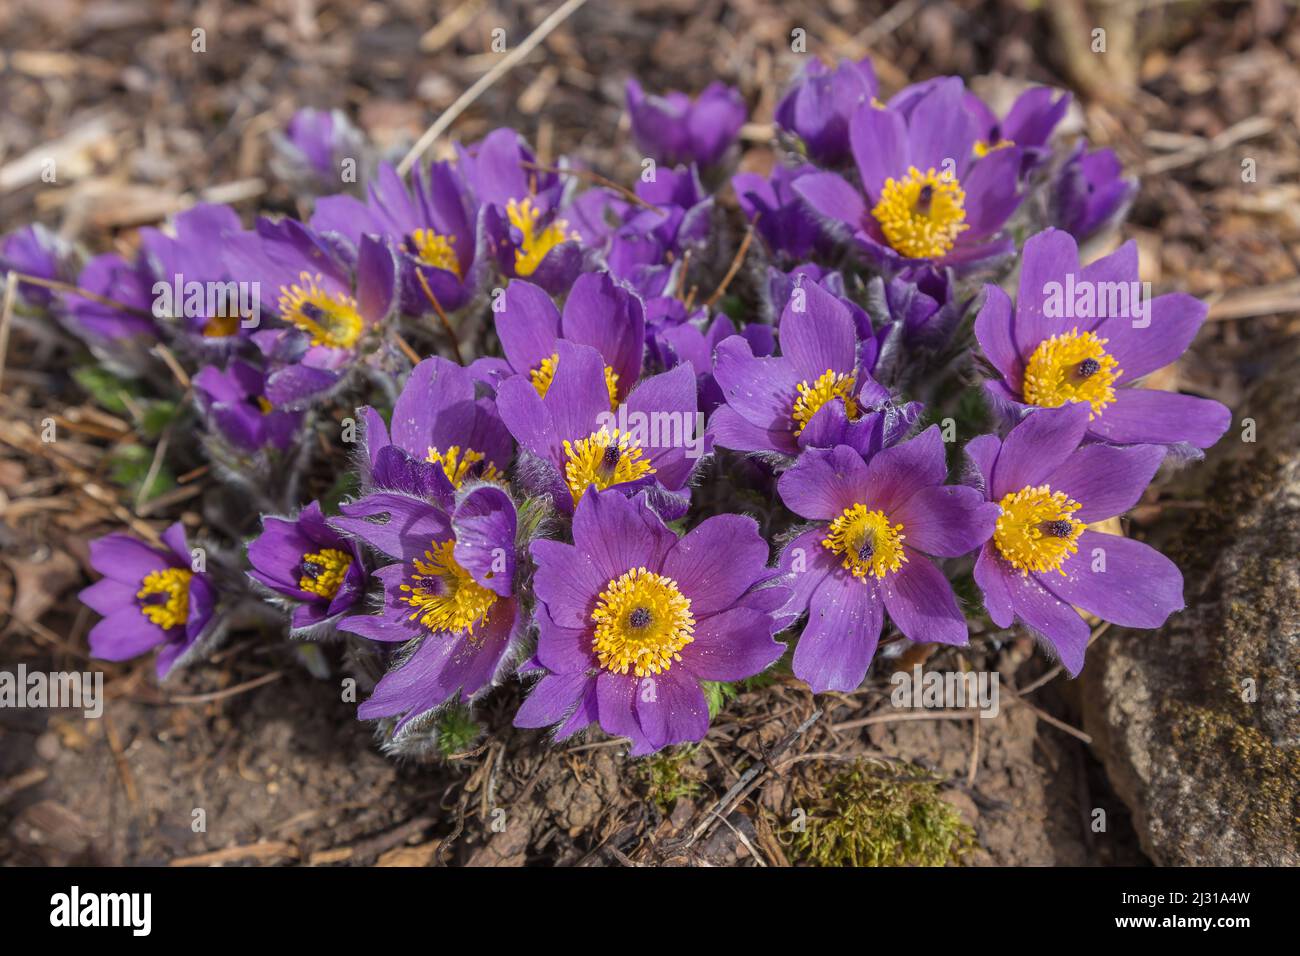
point(128, 467)
point(109, 392)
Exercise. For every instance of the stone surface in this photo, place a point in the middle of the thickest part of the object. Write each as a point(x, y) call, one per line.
point(1198, 724)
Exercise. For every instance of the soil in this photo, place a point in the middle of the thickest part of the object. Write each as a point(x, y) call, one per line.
point(249, 758)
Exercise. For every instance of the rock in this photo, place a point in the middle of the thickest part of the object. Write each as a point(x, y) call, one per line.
point(1198, 724)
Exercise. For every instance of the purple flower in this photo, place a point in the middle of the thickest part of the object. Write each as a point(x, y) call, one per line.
point(876, 524)
point(817, 394)
point(432, 224)
point(190, 280)
point(314, 145)
point(925, 197)
point(673, 129)
point(438, 419)
point(1087, 335)
point(518, 214)
point(149, 598)
point(783, 219)
point(632, 619)
point(576, 442)
point(598, 312)
point(330, 299)
point(129, 283)
point(311, 564)
point(1042, 561)
point(1028, 125)
point(35, 251)
point(235, 400)
point(1089, 192)
point(450, 587)
point(819, 103)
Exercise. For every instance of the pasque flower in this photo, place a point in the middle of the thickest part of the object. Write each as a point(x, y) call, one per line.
point(926, 194)
point(598, 312)
point(817, 106)
point(1089, 191)
point(308, 562)
point(817, 393)
point(1042, 560)
point(672, 128)
point(35, 251)
point(187, 259)
point(150, 597)
point(234, 400)
point(1088, 334)
point(779, 213)
point(631, 619)
point(576, 442)
point(450, 585)
point(432, 225)
point(877, 523)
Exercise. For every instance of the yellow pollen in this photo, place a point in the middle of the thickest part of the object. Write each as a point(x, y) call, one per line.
point(642, 621)
point(830, 386)
point(323, 571)
point(983, 147)
point(456, 464)
point(1071, 368)
point(923, 214)
point(544, 375)
point(435, 249)
point(444, 595)
point(535, 245)
point(220, 326)
point(866, 541)
point(171, 584)
point(332, 319)
point(606, 458)
point(1036, 531)
point(264, 406)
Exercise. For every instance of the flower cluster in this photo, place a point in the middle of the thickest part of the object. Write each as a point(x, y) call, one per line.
point(502, 422)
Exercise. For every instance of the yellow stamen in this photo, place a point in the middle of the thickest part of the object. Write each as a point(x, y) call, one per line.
point(642, 621)
point(264, 405)
point(535, 245)
point(331, 318)
point(983, 147)
point(605, 459)
point(323, 571)
point(828, 387)
point(456, 464)
point(866, 541)
point(1071, 368)
point(220, 326)
point(1036, 531)
point(172, 584)
point(444, 595)
point(922, 214)
point(435, 249)
point(544, 375)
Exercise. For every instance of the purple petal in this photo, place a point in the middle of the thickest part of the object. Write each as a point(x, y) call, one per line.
point(1140, 415)
point(839, 640)
point(1038, 446)
point(717, 562)
point(732, 645)
point(946, 520)
point(1139, 586)
point(921, 602)
point(1106, 480)
point(825, 482)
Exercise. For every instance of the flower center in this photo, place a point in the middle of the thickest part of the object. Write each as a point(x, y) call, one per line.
point(642, 621)
point(456, 464)
point(444, 595)
point(323, 571)
point(606, 458)
point(544, 374)
point(534, 245)
point(220, 326)
point(1071, 368)
point(831, 385)
point(264, 405)
point(434, 249)
point(1035, 531)
point(332, 319)
point(165, 597)
point(922, 214)
point(866, 541)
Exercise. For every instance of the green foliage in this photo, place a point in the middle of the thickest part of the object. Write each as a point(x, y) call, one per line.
point(457, 730)
point(671, 775)
point(717, 693)
point(128, 467)
point(115, 395)
point(881, 814)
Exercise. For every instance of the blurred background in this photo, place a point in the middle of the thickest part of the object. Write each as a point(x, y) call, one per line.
point(1191, 95)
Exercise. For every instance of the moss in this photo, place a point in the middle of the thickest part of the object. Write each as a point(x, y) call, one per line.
point(880, 814)
point(670, 776)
